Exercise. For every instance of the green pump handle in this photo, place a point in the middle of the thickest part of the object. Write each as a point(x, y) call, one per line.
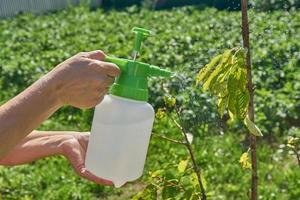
point(133, 80)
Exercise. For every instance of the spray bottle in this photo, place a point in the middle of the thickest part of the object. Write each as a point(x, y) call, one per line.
point(123, 121)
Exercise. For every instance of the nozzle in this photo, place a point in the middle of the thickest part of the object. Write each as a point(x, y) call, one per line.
point(156, 71)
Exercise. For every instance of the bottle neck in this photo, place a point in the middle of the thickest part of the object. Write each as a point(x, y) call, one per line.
point(126, 99)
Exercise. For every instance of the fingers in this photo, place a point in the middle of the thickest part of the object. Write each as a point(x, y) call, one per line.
point(108, 81)
point(105, 67)
point(88, 175)
point(95, 55)
point(75, 153)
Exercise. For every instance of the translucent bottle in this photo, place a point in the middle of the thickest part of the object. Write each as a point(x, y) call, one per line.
point(121, 130)
point(122, 122)
point(119, 141)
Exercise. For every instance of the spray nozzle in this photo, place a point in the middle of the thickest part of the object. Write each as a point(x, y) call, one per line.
point(133, 80)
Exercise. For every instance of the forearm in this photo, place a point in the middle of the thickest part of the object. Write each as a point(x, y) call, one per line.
point(22, 114)
point(36, 145)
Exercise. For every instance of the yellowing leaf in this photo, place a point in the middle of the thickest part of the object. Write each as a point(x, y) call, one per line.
point(194, 179)
point(160, 113)
point(157, 173)
point(292, 142)
point(169, 101)
point(253, 129)
point(221, 68)
point(206, 70)
point(244, 161)
point(182, 165)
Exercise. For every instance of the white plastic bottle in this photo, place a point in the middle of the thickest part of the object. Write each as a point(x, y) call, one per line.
point(119, 141)
point(122, 125)
point(123, 121)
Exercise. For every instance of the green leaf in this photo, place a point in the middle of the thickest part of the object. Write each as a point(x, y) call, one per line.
point(157, 173)
point(149, 193)
point(182, 165)
point(206, 70)
point(168, 192)
point(242, 104)
point(232, 91)
point(253, 129)
point(222, 104)
point(209, 83)
point(222, 67)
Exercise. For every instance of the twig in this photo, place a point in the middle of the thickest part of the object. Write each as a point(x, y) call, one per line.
point(191, 152)
point(171, 183)
point(183, 131)
point(246, 45)
point(168, 139)
point(297, 155)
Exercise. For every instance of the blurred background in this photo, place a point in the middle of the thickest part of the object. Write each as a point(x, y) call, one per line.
point(37, 35)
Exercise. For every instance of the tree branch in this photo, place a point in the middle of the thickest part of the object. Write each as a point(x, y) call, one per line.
point(168, 139)
point(246, 45)
point(297, 155)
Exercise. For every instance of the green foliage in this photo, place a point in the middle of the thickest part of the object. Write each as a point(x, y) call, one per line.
point(226, 78)
point(33, 45)
point(267, 5)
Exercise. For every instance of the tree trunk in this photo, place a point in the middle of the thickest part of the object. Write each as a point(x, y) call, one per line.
point(246, 45)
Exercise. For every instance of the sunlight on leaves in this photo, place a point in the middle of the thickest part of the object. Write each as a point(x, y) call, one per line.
point(169, 100)
point(292, 141)
point(182, 165)
point(160, 113)
point(226, 78)
point(244, 161)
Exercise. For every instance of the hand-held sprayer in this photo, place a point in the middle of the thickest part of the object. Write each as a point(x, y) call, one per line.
point(123, 121)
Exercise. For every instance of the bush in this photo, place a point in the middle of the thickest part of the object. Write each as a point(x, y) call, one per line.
point(268, 5)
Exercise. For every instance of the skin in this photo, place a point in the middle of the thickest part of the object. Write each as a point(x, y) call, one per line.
point(80, 81)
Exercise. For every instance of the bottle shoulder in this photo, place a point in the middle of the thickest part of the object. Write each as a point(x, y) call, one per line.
point(116, 103)
point(112, 110)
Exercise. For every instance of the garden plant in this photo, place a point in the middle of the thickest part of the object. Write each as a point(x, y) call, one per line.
point(198, 148)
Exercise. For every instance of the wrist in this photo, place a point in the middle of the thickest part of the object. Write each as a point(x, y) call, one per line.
point(53, 88)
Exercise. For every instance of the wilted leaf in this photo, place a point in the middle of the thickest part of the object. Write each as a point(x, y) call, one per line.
point(253, 129)
point(190, 137)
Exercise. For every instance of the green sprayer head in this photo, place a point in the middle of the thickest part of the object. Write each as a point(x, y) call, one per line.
point(133, 80)
point(140, 35)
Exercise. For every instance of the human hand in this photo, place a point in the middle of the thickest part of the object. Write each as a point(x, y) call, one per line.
point(74, 149)
point(41, 144)
point(83, 80)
